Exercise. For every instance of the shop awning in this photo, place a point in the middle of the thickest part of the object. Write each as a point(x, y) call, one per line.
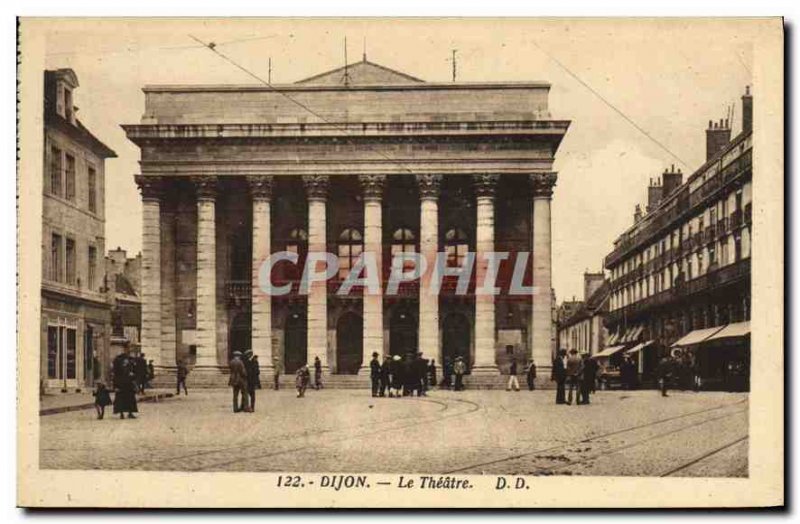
point(736, 330)
point(638, 347)
point(612, 339)
point(607, 352)
point(633, 334)
point(697, 336)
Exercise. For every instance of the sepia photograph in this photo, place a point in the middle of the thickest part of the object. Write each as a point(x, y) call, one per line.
point(462, 260)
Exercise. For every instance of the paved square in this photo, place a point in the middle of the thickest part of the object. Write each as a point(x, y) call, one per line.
point(493, 432)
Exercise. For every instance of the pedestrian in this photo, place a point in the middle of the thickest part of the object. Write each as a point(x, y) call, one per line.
point(102, 398)
point(253, 371)
point(385, 377)
point(459, 369)
point(573, 373)
point(125, 385)
point(421, 375)
point(182, 373)
point(375, 373)
point(666, 371)
point(432, 373)
point(590, 370)
point(559, 375)
point(447, 373)
point(140, 370)
point(513, 381)
point(301, 379)
point(277, 368)
point(587, 378)
point(151, 373)
point(409, 373)
point(238, 382)
point(531, 376)
point(317, 373)
point(396, 369)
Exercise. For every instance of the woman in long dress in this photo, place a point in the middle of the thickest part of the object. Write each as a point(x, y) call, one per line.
point(125, 398)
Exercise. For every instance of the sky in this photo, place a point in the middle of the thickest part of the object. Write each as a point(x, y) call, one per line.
point(667, 78)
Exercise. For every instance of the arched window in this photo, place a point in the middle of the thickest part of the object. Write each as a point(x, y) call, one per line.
point(456, 245)
point(403, 241)
point(351, 244)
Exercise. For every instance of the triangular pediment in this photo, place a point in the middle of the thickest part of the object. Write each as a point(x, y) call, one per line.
point(361, 73)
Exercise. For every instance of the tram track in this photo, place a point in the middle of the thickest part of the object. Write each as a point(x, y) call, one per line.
point(551, 453)
point(704, 457)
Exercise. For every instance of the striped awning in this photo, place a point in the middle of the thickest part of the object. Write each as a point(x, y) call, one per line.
point(607, 352)
point(633, 334)
point(612, 339)
point(697, 336)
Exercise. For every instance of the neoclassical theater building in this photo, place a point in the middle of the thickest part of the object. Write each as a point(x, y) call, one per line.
point(362, 158)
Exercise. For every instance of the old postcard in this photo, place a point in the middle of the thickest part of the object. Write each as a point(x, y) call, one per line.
point(358, 263)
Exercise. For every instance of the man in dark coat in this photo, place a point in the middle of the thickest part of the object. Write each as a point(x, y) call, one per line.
point(385, 376)
point(531, 376)
point(253, 371)
point(182, 373)
point(124, 385)
point(238, 381)
point(559, 374)
point(375, 373)
point(666, 372)
point(396, 370)
point(317, 373)
point(574, 368)
point(277, 368)
point(432, 373)
point(421, 375)
point(588, 377)
point(140, 371)
point(447, 373)
point(410, 379)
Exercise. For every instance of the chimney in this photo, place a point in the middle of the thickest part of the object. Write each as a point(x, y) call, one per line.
point(671, 180)
point(637, 214)
point(747, 110)
point(718, 135)
point(655, 191)
point(118, 256)
point(591, 283)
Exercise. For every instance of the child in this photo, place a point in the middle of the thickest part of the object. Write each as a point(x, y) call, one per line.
point(102, 398)
point(301, 380)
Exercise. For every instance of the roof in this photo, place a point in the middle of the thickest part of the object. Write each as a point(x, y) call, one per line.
point(597, 302)
point(361, 73)
point(123, 285)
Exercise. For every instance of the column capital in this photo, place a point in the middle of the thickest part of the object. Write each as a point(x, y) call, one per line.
point(372, 185)
point(260, 186)
point(485, 184)
point(316, 186)
point(205, 187)
point(151, 187)
point(543, 183)
point(429, 186)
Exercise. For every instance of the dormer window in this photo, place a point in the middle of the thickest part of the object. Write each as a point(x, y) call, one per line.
point(68, 108)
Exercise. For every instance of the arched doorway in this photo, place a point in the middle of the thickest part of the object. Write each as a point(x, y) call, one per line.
point(239, 335)
point(295, 350)
point(456, 337)
point(402, 332)
point(349, 343)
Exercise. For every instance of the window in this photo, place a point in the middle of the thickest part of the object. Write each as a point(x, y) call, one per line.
point(350, 247)
point(737, 247)
point(92, 183)
point(70, 260)
point(456, 247)
point(68, 104)
point(403, 242)
point(61, 352)
point(712, 255)
point(92, 269)
point(71, 352)
point(55, 171)
point(70, 178)
point(53, 365)
point(55, 258)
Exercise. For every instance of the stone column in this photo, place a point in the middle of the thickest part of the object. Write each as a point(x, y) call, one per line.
point(541, 317)
point(429, 245)
point(485, 359)
point(261, 304)
point(206, 188)
point(169, 336)
point(372, 186)
point(150, 338)
point(317, 319)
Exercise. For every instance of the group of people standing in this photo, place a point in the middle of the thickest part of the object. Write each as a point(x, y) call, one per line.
point(130, 374)
point(245, 379)
point(576, 372)
point(402, 377)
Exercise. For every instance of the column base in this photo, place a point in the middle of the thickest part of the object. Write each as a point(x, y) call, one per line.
point(208, 377)
point(485, 369)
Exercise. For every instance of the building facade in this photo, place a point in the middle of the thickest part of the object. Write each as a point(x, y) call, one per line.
point(581, 323)
point(359, 159)
point(680, 276)
point(75, 311)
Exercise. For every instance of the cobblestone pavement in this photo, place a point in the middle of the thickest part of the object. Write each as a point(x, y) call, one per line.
point(497, 432)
